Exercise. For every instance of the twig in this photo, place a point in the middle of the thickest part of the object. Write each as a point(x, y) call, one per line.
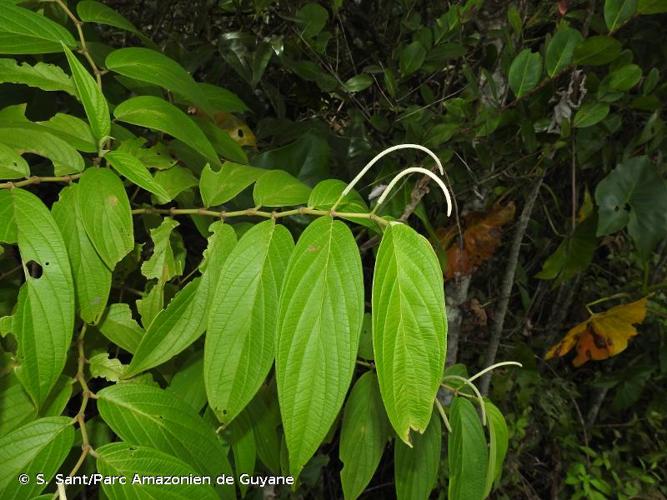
point(508, 282)
point(37, 180)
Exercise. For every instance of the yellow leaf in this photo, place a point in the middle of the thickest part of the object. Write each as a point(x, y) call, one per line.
point(237, 129)
point(602, 335)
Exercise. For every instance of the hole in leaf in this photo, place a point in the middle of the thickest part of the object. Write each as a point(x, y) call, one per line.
point(34, 269)
point(239, 132)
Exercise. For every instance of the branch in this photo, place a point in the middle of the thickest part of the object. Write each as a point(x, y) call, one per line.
point(37, 180)
point(508, 281)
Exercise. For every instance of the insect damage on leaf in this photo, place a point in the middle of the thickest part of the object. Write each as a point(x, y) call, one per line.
point(481, 239)
point(603, 335)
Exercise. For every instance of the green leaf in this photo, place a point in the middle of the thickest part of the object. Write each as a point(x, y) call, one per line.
point(326, 193)
point(411, 58)
point(312, 17)
point(277, 188)
point(151, 303)
point(91, 11)
point(92, 278)
point(183, 321)
point(263, 411)
point(221, 99)
point(560, 50)
point(625, 77)
point(120, 328)
point(416, 467)
point(525, 72)
point(43, 76)
point(153, 67)
point(499, 440)
point(175, 180)
point(126, 460)
point(221, 141)
point(76, 132)
point(23, 31)
point(90, 95)
point(102, 366)
point(363, 436)
point(145, 415)
point(163, 264)
point(188, 382)
point(242, 439)
point(617, 12)
point(157, 114)
point(319, 322)
point(136, 172)
point(106, 215)
point(44, 317)
point(634, 194)
point(37, 447)
point(573, 255)
point(467, 452)
point(358, 83)
point(651, 6)
point(219, 187)
point(28, 137)
point(16, 407)
point(409, 327)
point(590, 114)
point(597, 50)
point(12, 164)
point(242, 321)
point(172, 330)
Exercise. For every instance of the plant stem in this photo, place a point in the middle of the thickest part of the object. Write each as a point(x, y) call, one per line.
point(254, 212)
point(37, 180)
point(82, 40)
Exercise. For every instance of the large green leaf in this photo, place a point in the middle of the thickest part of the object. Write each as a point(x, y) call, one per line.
point(277, 188)
point(41, 75)
point(651, 6)
point(136, 172)
point(363, 436)
point(145, 415)
point(16, 407)
point(409, 327)
point(73, 130)
point(411, 58)
point(28, 137)
point(37, 447)
point(105, 210)
point(91, 11)
point(617, 12)
point(44, 318)
point(12, 164)
point(597, 50)
point(326, 193)
point(219, 187)
point(125, 460)
point(319, 322)
point(222, 99)
point(467, 452)
point(157, 114)
point(499, 440)
point(560, 50)
point(23, 31)
point(153, 67)
point(183, 321)
point(590, 114)
point(94, 103)
point(416, 467)
point(525, 72)
point(634, 194)
point(92, 278)
point(242, 321)
point(221, 140)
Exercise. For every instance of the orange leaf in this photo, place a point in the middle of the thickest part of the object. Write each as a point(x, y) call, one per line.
point(602, 335)
point(481, 239)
